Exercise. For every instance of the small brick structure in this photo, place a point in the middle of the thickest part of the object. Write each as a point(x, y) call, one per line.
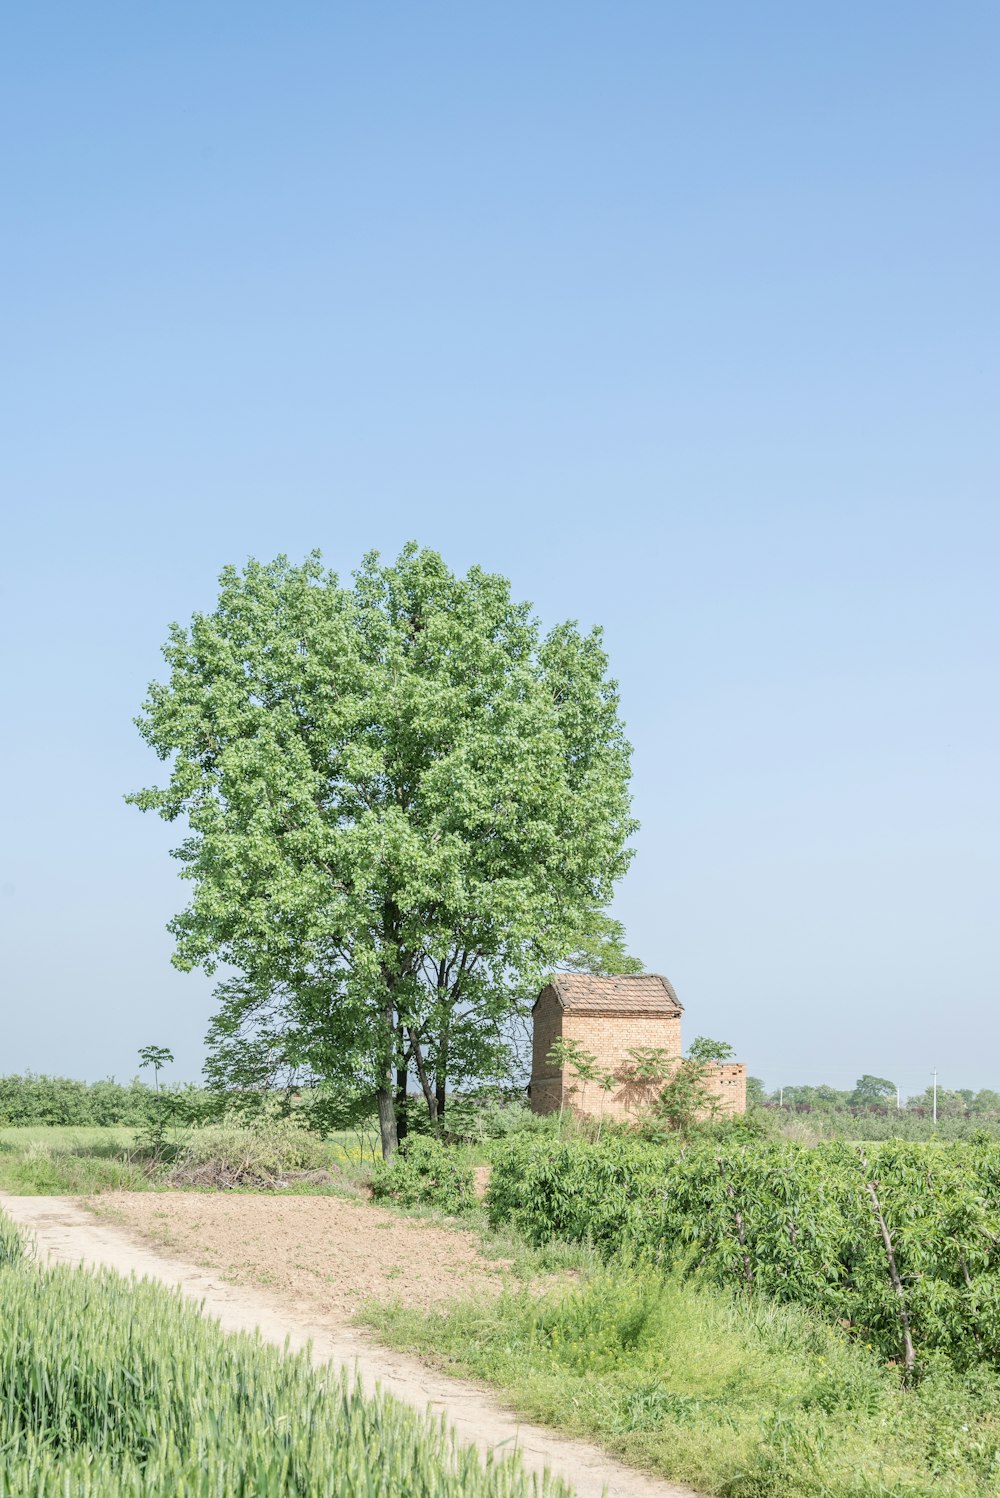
point(610, 1018)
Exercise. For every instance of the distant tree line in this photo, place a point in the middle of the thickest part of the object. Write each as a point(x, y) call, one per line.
point(877, 1095)
point(38, 1099)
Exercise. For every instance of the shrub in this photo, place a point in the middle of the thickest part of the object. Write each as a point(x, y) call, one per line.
point(899, 1242)
point(424, 1173)
point(478, 1117)
point(35, 1100)
point(258, 1154)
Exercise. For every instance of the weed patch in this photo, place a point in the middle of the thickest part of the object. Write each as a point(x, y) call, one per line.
point(741, 1400)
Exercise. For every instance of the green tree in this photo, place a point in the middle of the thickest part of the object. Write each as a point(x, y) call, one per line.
point(600, 949)
point(687, 1097)
point(949, 1104)
point(403, 802)
point(756, 1092)
point(873, 1092)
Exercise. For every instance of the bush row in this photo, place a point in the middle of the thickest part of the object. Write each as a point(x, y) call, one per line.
point(32, 1099)
point(118, 1389)
point(900, 1242)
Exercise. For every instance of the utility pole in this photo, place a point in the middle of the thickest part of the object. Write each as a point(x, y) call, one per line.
point(781, 1097)
point(935, 1093)
point(898, 1103)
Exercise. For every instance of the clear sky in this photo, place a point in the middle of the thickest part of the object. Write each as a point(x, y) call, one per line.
point(682, 315)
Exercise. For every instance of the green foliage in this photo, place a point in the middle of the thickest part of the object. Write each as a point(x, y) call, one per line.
point(477, 1117)
point(264, 1154)
point(817, 1125)
point(687, 1100)
point(793, 1224)
point(403, 803)
point(600, 948)
point(735, 1396)
point(157, 1056)
point(32, 1099)
point(62, 1167)
point(873, 1092)
point(877, 1096)
point(756, 1092)
point(424, 1173)
point(114, 1388)
point(709, 1052)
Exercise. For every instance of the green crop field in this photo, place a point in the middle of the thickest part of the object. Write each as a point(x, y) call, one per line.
point(110, 1388)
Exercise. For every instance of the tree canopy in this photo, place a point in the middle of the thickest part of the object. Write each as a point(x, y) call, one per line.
point(404, 802)
point(600, 949)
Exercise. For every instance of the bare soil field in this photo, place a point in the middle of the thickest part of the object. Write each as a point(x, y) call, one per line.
point(324, 1255)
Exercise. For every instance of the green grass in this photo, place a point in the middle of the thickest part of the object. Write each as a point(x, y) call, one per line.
point(57, 1160)
point(63, 1161)
point(741, 1401)
point(112, 1388)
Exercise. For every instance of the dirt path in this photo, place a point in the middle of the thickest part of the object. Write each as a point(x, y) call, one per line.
point(66, 1233)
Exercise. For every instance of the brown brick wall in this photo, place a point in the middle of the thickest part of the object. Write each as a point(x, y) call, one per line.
point(728, 1083)
point(546, 1080)
point(610, 1038)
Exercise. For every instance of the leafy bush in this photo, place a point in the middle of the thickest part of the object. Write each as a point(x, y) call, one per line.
point(478, 1117)
point(32, 1099)
point(118, 1389)
point(424, 1173)
point(899, 1242)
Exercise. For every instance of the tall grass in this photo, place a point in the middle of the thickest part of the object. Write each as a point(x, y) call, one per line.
point(77, 1161)
point(111, 1388)
point(740, 1399)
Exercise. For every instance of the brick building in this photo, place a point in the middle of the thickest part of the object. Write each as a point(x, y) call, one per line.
point(609, 1018)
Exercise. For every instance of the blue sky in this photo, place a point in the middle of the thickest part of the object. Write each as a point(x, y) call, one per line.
point(683, 316)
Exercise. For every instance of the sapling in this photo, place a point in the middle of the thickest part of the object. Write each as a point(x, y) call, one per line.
point(156, 1056)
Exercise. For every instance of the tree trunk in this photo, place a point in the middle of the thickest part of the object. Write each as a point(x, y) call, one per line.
point(402, 1122)
point(387, 1122)
point(897, 1284)
point(441, 1078)
point(425, 1085)
point(384, 1095)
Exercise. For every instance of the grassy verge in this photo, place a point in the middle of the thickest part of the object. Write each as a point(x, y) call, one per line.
point(741, 1401)
point(60, 1161)
point(55, 1160)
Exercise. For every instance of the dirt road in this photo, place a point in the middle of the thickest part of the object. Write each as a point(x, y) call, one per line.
point(67, 1233)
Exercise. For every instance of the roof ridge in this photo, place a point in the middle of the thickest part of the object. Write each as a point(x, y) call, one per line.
point(648, 992)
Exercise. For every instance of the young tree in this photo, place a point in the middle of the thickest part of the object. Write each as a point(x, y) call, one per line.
point(688, 1098)
point(403, 803)
point(156, 1056)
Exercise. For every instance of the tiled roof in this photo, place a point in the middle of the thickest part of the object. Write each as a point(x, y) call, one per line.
point(646, 994)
